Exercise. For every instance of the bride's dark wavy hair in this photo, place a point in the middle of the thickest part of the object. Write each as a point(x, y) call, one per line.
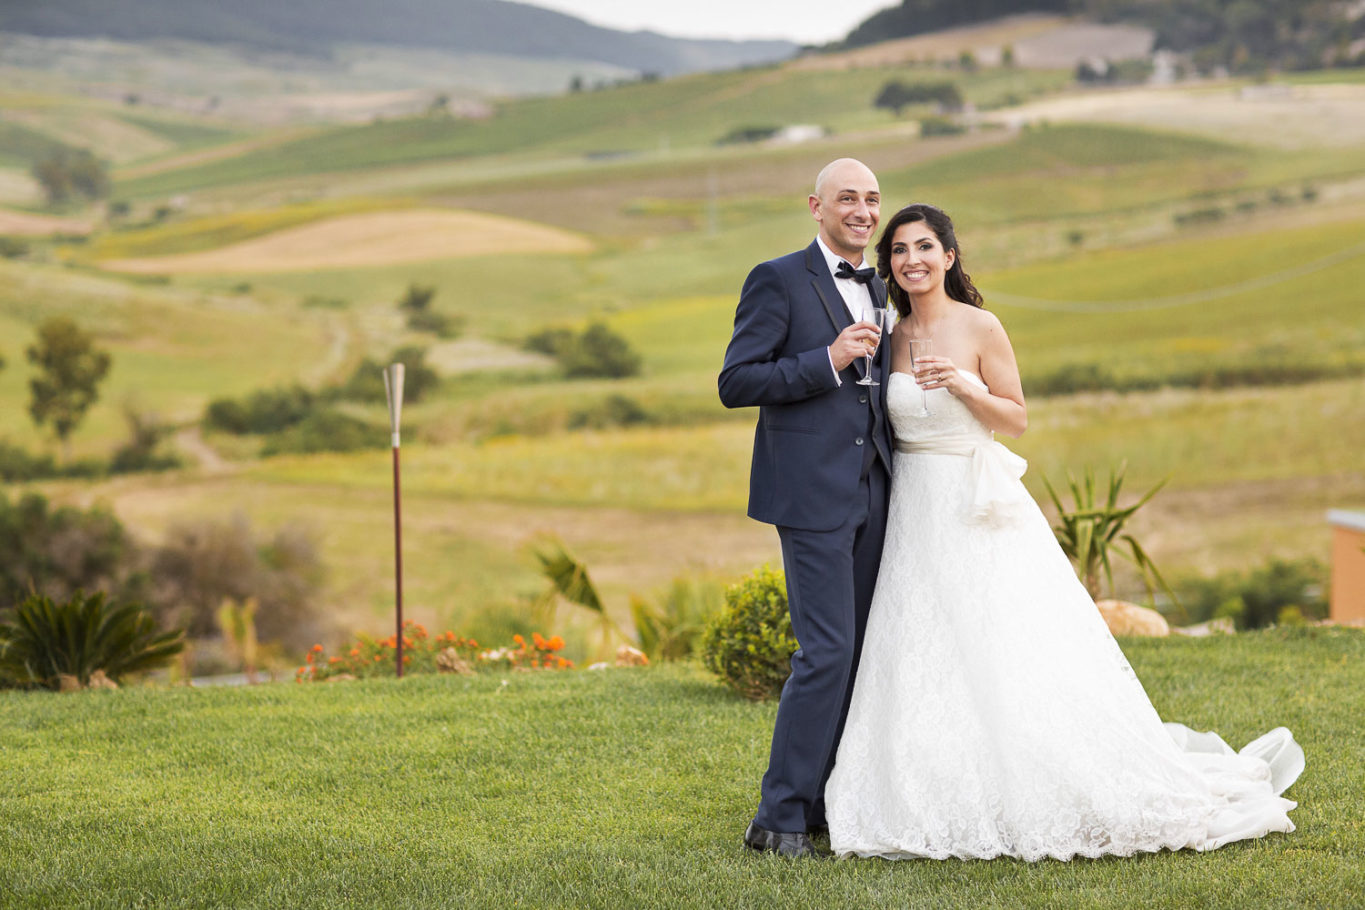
point(956, 282)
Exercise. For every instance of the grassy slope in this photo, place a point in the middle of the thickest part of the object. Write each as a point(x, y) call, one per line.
point(172, 349)
point(620, 789)
point(689, 111)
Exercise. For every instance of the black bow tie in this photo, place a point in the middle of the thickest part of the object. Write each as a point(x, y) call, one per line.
point(862, 276)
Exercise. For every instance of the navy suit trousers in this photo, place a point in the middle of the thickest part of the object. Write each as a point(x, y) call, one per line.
point(830, 576)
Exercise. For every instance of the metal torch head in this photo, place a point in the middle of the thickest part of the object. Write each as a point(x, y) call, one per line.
point(393, 391)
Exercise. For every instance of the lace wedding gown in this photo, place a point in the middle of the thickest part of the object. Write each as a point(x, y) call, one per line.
point(993, 713)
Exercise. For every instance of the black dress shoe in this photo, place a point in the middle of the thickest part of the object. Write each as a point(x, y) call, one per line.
point(792, 844)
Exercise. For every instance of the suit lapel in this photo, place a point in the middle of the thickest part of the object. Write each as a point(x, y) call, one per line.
point(822, 282)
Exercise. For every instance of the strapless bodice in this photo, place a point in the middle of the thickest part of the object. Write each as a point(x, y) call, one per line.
point(950, 418)
point(995, 494)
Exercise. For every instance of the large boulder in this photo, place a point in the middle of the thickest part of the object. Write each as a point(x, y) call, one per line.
point(1125, 618)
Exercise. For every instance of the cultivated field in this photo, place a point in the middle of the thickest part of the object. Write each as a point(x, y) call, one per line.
point(1165, 238)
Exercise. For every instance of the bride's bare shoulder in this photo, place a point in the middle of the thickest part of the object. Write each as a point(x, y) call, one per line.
point(982, 322)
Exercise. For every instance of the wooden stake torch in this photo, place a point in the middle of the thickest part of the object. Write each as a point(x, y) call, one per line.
point(393, 391)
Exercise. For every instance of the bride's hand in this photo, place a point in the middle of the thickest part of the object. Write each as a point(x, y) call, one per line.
point(934, 372)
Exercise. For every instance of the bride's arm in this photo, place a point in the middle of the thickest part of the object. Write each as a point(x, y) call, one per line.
point(1002, 408)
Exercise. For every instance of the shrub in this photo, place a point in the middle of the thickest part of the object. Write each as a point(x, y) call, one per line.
point(325, 431)
point(597, 351)
point(203, 563)
point(600, 352)
point(366, 383)
point(672, 628)
point(612, 411)
point(57, 552)
point(16, 464)
point(263, 411)
point(940, 126)
point(749, 644)
point(139, 453)
point(1259, 597)
point(743, 134)
point(45, 641)
point(13, 247)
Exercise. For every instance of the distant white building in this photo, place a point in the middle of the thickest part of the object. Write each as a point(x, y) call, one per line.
point(798, 132)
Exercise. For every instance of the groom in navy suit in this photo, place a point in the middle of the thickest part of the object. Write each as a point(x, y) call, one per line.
point(821, 469)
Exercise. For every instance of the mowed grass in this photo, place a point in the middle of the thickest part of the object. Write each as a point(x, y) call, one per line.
point(629, 788)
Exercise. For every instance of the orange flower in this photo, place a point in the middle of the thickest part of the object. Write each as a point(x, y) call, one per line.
point(473, 644)
point(355, 652)
point(407, 642)
point(309, 658)
point(563, 663)
point(421, 631)
point(519, 640)
point(334, 660)
point(317, 648)
point(556, 643)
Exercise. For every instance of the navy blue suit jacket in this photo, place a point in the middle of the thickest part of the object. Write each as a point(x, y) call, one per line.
point(811, 441)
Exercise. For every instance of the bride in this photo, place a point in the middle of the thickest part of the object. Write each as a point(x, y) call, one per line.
point(993, 713)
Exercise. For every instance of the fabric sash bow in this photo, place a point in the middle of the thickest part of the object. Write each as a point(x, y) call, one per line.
point(996, 495)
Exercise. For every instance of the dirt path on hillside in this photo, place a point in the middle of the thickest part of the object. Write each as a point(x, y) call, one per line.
point(190, 441)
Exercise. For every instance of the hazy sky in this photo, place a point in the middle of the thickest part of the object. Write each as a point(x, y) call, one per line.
point(803, 21)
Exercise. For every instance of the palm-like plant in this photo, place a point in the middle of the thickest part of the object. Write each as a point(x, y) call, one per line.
point(44, 641)
point(569, 579)
point(1092, 529)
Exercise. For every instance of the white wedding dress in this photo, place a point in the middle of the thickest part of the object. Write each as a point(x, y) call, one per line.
point(993, 713)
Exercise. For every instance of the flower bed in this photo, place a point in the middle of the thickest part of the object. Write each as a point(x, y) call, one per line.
point(424, 653)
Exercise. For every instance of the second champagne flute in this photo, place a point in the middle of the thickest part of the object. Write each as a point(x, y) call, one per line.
point(920, 347)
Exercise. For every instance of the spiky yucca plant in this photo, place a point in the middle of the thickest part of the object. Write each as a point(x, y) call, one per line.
point(1092, 529)
point(43, 641)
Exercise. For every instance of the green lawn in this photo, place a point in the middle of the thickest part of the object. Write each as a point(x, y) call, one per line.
point(578, 789)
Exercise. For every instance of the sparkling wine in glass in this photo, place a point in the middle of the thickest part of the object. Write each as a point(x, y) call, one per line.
point(877, 317)
point(920, 347)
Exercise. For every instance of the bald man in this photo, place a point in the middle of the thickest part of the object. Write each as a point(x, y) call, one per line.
point(820, 474)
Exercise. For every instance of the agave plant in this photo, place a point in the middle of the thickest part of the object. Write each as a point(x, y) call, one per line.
point(1092, 529)
point(43, 641)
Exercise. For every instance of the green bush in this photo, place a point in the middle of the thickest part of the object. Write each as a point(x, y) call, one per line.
point(204, 562)
point(612, 411)
point(60, 551)
point(940, 126)
point(596, 351)
point(325, 431)
point(749, 644)
point(263, 411)
point(1261, 596)
point(671, 627)
point(600, 352)
point(366, 383)
point(45, 640)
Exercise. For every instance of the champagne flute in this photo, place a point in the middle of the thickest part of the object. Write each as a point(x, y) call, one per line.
point(919, 347)
point(878, 318)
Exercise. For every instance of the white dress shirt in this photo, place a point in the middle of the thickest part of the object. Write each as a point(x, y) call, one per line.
point(857, 297)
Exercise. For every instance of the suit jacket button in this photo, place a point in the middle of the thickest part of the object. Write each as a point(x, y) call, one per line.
point(858, 441)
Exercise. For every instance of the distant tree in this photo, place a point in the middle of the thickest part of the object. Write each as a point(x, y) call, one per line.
point(66, 174)
point(70, 369)
point(439, 106)
point(967, 60)
point(417, 298)
point(576, 84)
point(1007, 55)
point(895, 96)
